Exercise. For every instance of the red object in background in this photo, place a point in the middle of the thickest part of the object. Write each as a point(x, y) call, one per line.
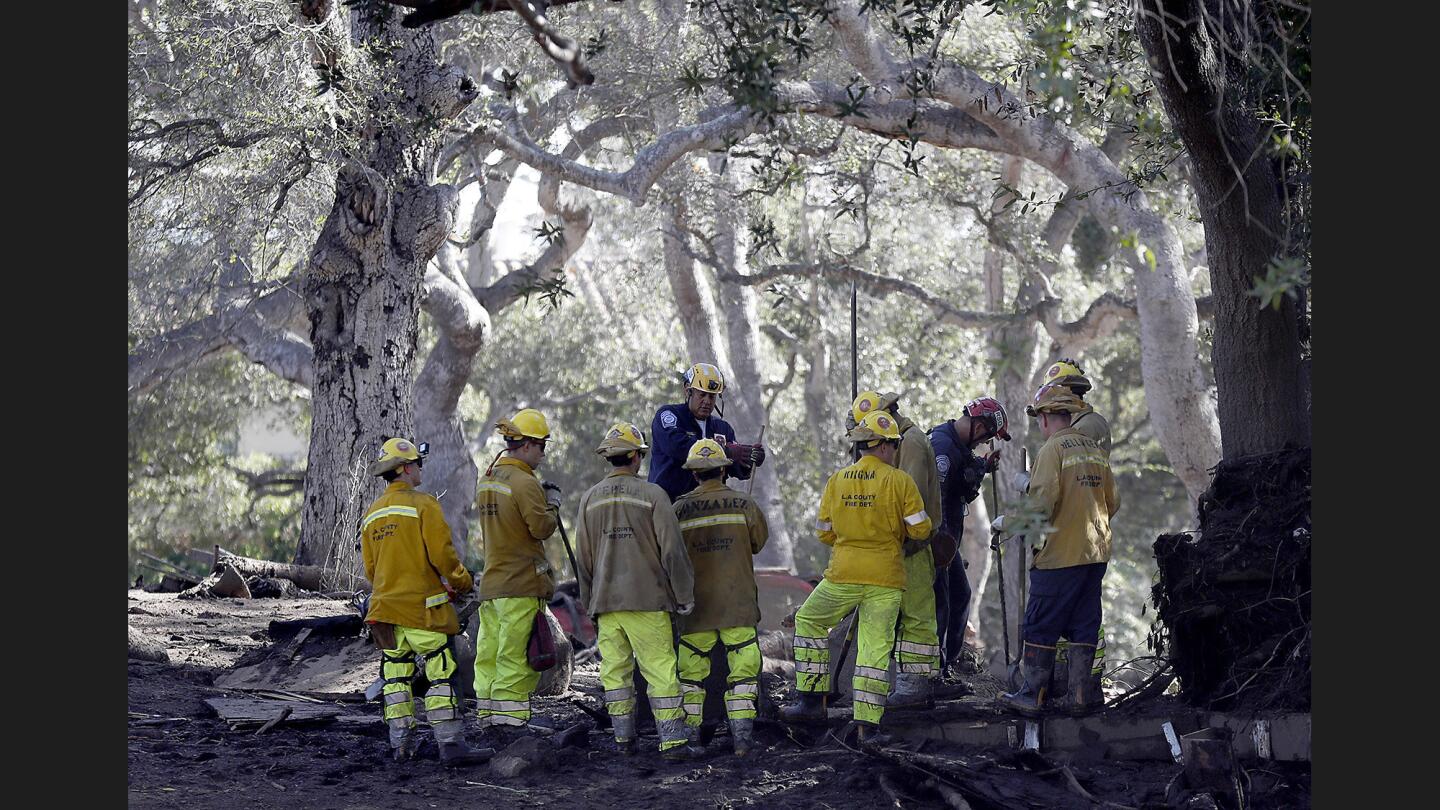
point(781, 593)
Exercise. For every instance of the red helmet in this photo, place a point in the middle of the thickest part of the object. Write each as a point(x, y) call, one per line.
point(992, 413)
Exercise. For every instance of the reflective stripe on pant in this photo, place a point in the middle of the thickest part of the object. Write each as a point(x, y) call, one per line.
point(504, 680)
point(917, 646)
point(1098, 668)
point(643, 637)
point(826, 607)
point(397, 667)
point(742, 653)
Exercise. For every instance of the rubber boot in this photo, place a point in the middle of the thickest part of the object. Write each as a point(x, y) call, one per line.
point(1036, 667)
point(1060, 676)
point(671, 730)
point(624, 728)
point(868, 735)
point(911, 691)
point(454, 751)
point(1085, 696)
point(811, 706)
point(742, 735)
point(704, 733)
point(402, 738)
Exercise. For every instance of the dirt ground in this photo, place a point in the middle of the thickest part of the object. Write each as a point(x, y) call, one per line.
point(182, 755)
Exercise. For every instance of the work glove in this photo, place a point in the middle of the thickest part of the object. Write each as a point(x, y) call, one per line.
point(684, 610)
point(741, 454)
point(1021, 481)
point(552, 494)
point(913, 547)
point(991, 461)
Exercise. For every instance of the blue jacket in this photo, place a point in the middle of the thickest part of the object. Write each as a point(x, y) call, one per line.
point(961, 474)
point(673, 430)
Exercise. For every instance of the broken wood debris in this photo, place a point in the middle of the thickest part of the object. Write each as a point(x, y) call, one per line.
point(242, 713)
point(276, 720)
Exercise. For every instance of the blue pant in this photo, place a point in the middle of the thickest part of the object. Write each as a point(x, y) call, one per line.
point(1064, 602)
point(952, 608)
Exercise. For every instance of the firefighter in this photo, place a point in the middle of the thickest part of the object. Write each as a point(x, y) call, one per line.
point(517, 515)
point(1067, 372)
point(917, 647)
point(405, 544)
point(723, 530)
point(866, 511)
point(676, 427)
point(961, 473)
point(1073, 491)
point(633, 573)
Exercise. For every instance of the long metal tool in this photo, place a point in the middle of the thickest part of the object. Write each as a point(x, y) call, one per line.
point(1004, 612)
point(575, 569)
point(1000, 566)
point(854, 357)
point(836, 666)
point(750, 488)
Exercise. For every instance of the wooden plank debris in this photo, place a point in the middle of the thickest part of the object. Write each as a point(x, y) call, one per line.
point(276, 720)
point(287, 653)
point(1273, 736)
point(243, 712)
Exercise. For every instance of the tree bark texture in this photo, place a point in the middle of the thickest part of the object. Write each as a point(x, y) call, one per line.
point(1015, 353)
point(740, 313)
point(693, 308)
point(1262, 406)
point(362, 289)
point(461, 324)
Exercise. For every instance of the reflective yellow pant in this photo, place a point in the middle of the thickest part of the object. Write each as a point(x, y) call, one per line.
point(917, 646)
point(826, 607)
point(504, 680)
point(646, 638)
point(742, 653)
point(397, 667)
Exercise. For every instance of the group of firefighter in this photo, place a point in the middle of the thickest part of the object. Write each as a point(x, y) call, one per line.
point(665, 566)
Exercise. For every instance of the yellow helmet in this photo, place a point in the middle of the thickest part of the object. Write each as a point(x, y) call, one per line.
point(622, 439)
point(1054, 398)
point(706, 378)
point(706, 454)
point(876, 426)
point(395, 452)
point(525, 424)
point(1067, 372)
point(869, 402)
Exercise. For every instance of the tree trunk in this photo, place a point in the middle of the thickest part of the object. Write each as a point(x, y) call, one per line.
point(362, 289)
point(975, 551)
point(1175, 390)
point(739, 311)
point(694, 309)
point(1015, 352)
point(1257, 350)
point(450, 471)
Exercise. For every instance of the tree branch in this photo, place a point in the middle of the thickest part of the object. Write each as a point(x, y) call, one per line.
point(246, 325)
point(728, 126)
point(565, 51)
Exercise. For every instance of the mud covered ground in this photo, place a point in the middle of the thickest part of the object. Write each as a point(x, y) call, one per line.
point(181, 755)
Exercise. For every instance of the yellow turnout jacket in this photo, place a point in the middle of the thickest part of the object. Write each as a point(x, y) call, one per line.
point(405, 543)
